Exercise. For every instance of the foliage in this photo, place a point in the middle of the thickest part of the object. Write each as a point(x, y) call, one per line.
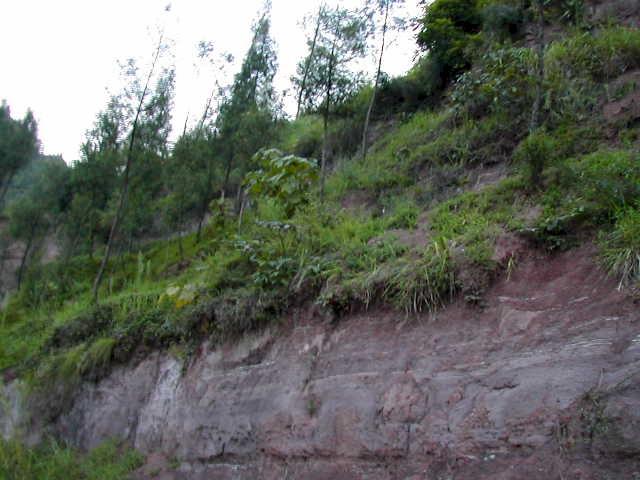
point(502, 20)
point(535, 151)
point(448, 31)
point(420, 87)
point(609, 179)
point(18, 145)
point(245, 120)
point(402, 228)
point(53, 461)
point(284, 178)
point(500, 83)
point(342, 39)
point(621, 247)
point(303, 137)
point(603, 56)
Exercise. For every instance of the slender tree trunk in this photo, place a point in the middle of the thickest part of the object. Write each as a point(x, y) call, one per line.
point(307, 65)
point(125, 182)
point(365, 130)
point(254, 87)
point(227, 172)
point(180, 249)
point(238, 202)
point(243, 203)
point(325, 121)
point(25, 255)
point(5, 187)
point(207, 197)
point(534, 123)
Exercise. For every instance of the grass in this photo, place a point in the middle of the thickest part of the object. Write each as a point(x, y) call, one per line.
point(602, 56)
point(52, 461)
point(621, 247)
point(242, 276)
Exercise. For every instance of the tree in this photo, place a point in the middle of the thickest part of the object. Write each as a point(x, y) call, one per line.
point(308, 61)
point(342, 39)
point(448, 30)
point(536, 157)
point(205, 140)
point(94, 179)
point(18, 145)
point(246, 119)
point(33, 213)
point(150, 154)
point(384, 7)
point(127, 169)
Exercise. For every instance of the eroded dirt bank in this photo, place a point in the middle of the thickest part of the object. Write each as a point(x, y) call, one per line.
point(541, 383)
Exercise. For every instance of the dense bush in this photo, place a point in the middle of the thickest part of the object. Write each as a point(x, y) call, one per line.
point(601, 56)
point(448, 31)
point(501, 82)
point(502, 20)
point(609, 180)
point(535, 151)
point(303, 137)
point(421, 87)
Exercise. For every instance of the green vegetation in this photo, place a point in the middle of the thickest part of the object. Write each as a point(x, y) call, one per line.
point(52, 461)
point(408, 226)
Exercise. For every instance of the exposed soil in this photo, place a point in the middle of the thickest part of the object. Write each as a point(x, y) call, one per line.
point(542, 383)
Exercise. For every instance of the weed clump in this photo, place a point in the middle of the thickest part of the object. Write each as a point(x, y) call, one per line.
point(621, 247)
point(53, 461)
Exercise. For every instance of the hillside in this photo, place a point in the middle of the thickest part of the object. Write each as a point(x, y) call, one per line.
point(460, 300)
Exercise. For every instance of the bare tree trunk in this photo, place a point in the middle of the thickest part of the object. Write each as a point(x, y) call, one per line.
point(367, 119)
point(25, 255)
point(207, 198)
point(125, 182)
point(323, 163)
point(227, 173)
point(180, 249)
point(307, 65)
point(5, 187)
point(534, 123)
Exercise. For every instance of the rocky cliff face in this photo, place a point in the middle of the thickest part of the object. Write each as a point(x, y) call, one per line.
point(541, 382)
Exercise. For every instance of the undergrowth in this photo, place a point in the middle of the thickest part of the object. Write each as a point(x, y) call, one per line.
point(246, 273)
point(52, 461)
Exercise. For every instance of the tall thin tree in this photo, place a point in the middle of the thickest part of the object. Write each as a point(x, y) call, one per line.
point(384, 6)
point(309, 59)
point(125, 181)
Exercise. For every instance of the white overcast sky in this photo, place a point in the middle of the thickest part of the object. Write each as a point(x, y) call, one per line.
point(60, 58)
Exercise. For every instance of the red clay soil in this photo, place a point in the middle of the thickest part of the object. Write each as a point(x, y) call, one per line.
point(542, 383)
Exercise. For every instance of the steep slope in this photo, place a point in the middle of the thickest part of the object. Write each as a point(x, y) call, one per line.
point(542, 382)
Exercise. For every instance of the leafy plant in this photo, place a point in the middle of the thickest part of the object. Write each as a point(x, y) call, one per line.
point(535, 151)
point(284, 178)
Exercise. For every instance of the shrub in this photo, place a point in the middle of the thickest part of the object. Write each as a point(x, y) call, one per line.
point(85, 326)
point(303, 137)
point(448, 31)
point(52, 461)
point(500, 83)
point(609, 180)
point(284, 178)
point(502, 21)
point(535, 151)
point(603, 56)
point(621, 247)
point(404, 214)
point(421, 87)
